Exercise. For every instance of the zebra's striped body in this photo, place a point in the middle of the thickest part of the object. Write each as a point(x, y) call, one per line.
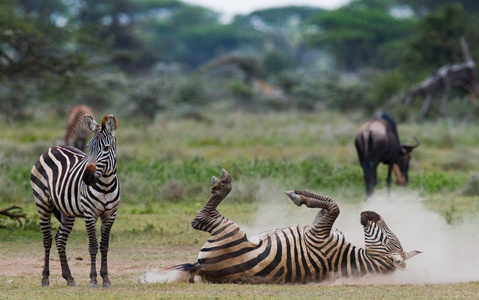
point(71, 184)
point(77, 132)
point(297, 254)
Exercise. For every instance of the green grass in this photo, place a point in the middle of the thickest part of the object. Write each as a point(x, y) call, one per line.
point(130, 288)
point(165, 168)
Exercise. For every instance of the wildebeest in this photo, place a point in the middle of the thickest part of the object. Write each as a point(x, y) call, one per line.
point(378, 141)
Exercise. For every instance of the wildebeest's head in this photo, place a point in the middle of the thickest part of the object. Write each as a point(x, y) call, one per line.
point(401, 164)
point(382, 243)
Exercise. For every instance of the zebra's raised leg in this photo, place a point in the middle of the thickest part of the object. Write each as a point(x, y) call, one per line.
point(325, 219)
point(106, 225)
point(208, 216)
point(66, 225)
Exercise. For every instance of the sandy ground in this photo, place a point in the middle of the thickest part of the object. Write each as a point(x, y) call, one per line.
point(129, 262)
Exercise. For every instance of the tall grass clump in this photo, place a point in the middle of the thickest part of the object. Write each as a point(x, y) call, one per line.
point(436, 182)
point(188, 179)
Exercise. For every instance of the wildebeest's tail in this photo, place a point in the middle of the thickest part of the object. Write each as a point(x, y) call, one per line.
point(367, 166)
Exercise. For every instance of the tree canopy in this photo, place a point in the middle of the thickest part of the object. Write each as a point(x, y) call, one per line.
point(61, 51)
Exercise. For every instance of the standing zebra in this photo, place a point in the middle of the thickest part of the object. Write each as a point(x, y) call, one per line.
point(71, 184)
point(296, 254)
point(77, 132)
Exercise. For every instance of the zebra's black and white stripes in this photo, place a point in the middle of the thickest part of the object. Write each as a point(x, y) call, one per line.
point(296, 254)
point(70, 184)
point(77, 132)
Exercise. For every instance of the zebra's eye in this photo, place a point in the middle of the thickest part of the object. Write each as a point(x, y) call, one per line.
point(106, 148)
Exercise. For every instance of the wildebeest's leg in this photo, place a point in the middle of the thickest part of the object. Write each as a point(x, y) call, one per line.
point(66, 225)
point(106, 225)
point(389, 178)
point(360, 150)
point(325, 219)
point(208, 216)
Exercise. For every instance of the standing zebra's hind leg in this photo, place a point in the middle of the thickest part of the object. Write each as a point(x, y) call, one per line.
point(66, 225)
point(206, 217)
point(45, 225)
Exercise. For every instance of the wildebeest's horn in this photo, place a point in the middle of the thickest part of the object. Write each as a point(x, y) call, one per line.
point(409, 148)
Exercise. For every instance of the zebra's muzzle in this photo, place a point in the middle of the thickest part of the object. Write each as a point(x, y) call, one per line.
point(89, 176)
point(398, 261)
point(367, 216)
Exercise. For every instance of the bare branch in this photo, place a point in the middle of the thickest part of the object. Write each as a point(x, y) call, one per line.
point(14, 212)
point(442, 80)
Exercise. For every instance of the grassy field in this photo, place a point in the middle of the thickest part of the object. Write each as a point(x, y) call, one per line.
point(165, 168)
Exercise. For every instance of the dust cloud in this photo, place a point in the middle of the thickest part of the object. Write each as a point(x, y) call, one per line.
point(450, 252)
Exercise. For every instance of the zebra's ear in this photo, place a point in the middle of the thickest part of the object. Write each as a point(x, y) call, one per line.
point(408, 255)
point(92, 124)
point(109, 124)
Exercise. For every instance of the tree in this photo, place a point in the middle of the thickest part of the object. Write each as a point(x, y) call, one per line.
point(360, 37)
point(282, 30)
point(436, 40)
point(32, 39)
point(38, 57)
point(118, 24)
point(424, 7)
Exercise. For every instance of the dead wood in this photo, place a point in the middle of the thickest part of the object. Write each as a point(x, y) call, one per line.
point(441, 81)
point(14, 212)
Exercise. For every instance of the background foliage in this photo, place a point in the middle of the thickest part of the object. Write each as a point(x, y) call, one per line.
point(142, 57)
point(275, 97)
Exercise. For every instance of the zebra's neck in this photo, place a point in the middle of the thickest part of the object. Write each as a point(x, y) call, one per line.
point(344, 258)
point(105, 179)
point(357, 261)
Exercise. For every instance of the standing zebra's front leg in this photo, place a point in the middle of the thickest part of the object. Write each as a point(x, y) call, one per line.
point(208, 216)
point(66, 225)
point(90, 223)
point(106, 225)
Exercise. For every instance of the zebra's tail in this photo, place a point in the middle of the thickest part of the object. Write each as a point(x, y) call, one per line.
point(186, 273)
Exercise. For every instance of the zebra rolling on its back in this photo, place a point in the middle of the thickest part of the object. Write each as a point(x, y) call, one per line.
point(77, 132)
point(71, 184)
point(297, 254)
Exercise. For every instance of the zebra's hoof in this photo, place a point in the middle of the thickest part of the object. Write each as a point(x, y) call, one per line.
point(224, 175)
point(214, 181)
point(222, 185)
point(295, 197)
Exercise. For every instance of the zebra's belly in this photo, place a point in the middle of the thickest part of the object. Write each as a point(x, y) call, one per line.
point(278, 256)
point(69, 207)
